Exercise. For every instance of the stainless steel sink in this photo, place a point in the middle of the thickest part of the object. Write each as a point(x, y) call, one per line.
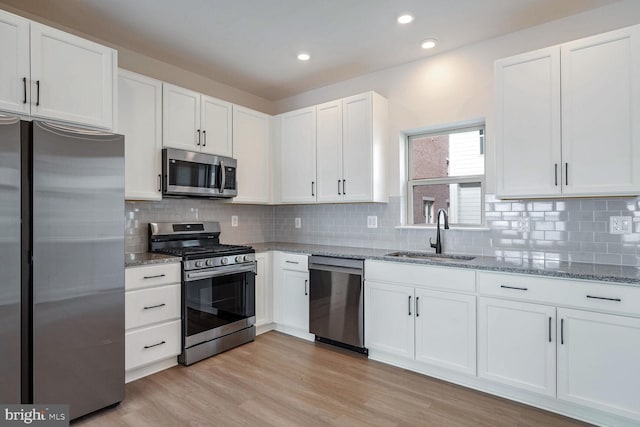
point(431, 257)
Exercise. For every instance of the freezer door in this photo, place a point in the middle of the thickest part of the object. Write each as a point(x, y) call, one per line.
point(9, 260)
point(78, 272)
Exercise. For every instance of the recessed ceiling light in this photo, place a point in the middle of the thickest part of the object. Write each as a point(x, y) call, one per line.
point(304, 56)
point(405, 19)
point(429, 43)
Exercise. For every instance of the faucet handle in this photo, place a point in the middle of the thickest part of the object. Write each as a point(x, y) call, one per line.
point(433, 245)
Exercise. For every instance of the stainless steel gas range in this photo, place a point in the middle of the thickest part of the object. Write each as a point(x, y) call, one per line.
point(218, 287)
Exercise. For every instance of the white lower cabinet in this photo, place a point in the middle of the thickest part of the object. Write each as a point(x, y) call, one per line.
point(417, 324)
point(153, 336)
point(264, 292)
point(516, 344)
point(291, 294)
point(446, 330)
point(598, 361)
point(389, 324)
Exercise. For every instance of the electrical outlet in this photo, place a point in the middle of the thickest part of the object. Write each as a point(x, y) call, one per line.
point(524, 226)
point(620, 225)
point(372, 221)
point(234, 220)
point(298, 223)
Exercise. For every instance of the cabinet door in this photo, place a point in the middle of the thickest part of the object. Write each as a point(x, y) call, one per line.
point(71, 78)
point(295, 299)
point(264, 291)
point(216, 126)
point(528, 145)
point(516, 344)
point(446, 330)
point(389, 319)
point(252, 149)
point(140, 121)
point(598, 358)
point(180, 118)
point(329, 151)
point(298, 156)
point(357, 148)
point(601, 114)
point(14, 67)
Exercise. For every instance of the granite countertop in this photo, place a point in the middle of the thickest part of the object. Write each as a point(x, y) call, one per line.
point(571, 270)
point(147, 258)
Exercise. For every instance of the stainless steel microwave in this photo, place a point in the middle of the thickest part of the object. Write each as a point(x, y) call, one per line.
point(194, 174)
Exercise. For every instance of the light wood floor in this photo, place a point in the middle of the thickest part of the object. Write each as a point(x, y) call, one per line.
point(283, 381)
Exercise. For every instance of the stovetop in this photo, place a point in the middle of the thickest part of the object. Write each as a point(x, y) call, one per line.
point(198, 252)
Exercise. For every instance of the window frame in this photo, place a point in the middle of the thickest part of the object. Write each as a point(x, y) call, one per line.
point(461, 179)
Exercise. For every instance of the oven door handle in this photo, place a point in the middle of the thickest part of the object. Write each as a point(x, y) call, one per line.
point(190, 276)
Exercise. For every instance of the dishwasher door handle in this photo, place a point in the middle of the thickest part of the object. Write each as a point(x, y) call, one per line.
point(333, 268)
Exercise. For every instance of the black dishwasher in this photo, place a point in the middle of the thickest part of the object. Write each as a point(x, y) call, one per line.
point(336, 301)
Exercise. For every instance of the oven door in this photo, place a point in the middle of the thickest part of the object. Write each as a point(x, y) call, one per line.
point(218, 302)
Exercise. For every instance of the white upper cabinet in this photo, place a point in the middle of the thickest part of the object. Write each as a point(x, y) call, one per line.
point(180, 118)
point(140, 121)
point(196, 122)
point(528, 124)
point(329, 151)
point(14, 67)
point(72, 79)
point(341, 151)
point(252, 150)
point(49, 74)
point(216, 126)
point(364, 124)
point(568, 119)
point(298, 156)
point(601, 114)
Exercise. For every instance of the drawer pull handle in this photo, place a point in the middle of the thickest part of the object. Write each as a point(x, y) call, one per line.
point(292, 262)
point(605, 298)
point(155, 306)
point(154, 345)
point(154, 277)
point(306, 282)
point(513, 287)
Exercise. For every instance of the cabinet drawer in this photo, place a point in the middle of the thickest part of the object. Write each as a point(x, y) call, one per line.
point(153, 305)
point(295, 262)
point(563, 292)
point(422, 276)
point(152, 344)
point(151, 275)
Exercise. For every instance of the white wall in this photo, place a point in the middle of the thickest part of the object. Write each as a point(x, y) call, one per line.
point(458, 86)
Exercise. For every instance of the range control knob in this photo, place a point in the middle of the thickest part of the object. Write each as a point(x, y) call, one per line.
point(239, 258)
point(198, 263)
point(224, 261)
point(247, 258)
point(209, 262)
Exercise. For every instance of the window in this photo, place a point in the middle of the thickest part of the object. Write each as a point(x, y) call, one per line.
point(446, 171)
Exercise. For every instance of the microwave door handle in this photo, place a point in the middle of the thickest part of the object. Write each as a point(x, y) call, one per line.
point(222, 183)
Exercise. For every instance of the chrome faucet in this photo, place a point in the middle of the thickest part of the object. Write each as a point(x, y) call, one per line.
point(438, 244)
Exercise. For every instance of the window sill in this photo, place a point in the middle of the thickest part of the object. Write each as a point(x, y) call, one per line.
point(433, 227)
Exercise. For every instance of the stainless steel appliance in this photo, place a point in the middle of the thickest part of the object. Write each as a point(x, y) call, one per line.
point(194, 174)
point(218, 287)
point(70, 275)
point(336, 301)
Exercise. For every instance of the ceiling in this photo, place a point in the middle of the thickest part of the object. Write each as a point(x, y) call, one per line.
point(253, 44)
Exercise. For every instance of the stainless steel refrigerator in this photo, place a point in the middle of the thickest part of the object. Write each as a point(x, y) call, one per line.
point(62, 258)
